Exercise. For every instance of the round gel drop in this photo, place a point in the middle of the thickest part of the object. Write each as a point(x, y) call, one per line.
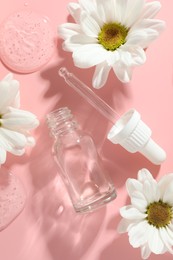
point(27, 41)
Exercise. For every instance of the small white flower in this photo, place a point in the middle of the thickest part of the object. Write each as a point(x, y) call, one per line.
point(110, 34)
point(149, 218)
point(14, 123)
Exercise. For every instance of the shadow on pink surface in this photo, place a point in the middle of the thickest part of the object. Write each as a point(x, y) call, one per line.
point(60, 227)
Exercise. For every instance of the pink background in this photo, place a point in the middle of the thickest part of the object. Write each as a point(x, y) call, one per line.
point(48, 228)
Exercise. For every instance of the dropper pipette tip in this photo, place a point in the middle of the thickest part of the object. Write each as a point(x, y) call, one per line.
point(63, 72)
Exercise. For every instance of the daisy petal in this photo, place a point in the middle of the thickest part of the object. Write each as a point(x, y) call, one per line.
point(138, 200)
point(89, 26)
point(150, 9)
point(155, 242)
point(108, 12)
point(75, 11)
point(144, 175)
point(19, 119)
point(17, 152)
point(2, 155)
point(167, 240)
point(122, 72)
point(67, 30)
point(130, 213)
point(14, 139)
point(133, 12)
point(138, 234)
point(89, 55)
point(167, 196)
point(100, 75)
point(112, 57)
point(121, 8)
point(89, 6)
point(151, 191)
point(8, 93)
point(82, 39)
point(164, 183)
point(30, 141)
point(145, 251)
point(133, 185)
point(124, 225)
point(147, 24)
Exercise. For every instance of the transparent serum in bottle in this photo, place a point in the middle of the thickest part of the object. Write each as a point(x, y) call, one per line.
point(88, 185)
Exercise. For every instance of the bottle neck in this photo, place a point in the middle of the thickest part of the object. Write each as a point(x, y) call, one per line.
point(61, 122)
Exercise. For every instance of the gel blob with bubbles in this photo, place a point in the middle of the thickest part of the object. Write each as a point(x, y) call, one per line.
point(27, 41)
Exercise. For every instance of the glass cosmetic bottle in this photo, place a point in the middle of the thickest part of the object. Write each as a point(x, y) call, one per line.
point(81, 168)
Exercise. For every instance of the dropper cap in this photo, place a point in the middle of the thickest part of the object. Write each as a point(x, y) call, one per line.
point(135, 136)
point(129, 130)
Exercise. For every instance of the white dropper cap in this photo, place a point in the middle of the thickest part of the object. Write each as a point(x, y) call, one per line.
point(135, 136)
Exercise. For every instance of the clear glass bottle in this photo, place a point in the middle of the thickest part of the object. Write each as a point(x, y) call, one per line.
point(88, 185)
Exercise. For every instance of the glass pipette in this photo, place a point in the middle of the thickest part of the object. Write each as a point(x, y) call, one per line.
point(128, 130)
point(84, 91)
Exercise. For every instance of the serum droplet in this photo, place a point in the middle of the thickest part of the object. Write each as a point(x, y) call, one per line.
point(27, 41)
point(12, 197)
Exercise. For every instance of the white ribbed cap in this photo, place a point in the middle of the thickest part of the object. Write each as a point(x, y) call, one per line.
point(134, 135)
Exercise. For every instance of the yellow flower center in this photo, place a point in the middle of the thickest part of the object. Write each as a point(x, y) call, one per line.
point(0, 120)
point(159, 214)
point(112, 36)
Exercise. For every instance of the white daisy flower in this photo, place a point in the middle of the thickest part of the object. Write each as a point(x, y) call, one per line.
point(110, 34)
point(14, 123)
point(149, 218)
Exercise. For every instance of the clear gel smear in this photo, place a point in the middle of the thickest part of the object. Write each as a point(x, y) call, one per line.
point(27, 41)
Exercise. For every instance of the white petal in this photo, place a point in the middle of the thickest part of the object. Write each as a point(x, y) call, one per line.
point(130, 213)
point(132, 55)
point(67, 45)
point(164, 183)
point(133, 185)
point(166, 239)
point(112, 57)
point(17, 119)
point(121, 8)
point(16, 102)
point(145, 32)
point(138, 234)
point(15, 139)
point(138, 200)
point(101, 12)
point(100, 75)
point(141, 37)
point(4, 144)
point(89, 6)
point(17, 152)
point(151, 191)
point(151, 9)
point(108, 12)
point(83, 39)
point(167, 196)
point(146, 24)
point(75, 11)
point(2, 155)
point(8, 93)
point(30, 141)
point(169, 229)
point(155, 242)
point(145, 251)
point(123, 73)
point(144, 175)
point(89, 26)
point(66, 30)
point(89, 55)
point(125, 225)
point(133, 12)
